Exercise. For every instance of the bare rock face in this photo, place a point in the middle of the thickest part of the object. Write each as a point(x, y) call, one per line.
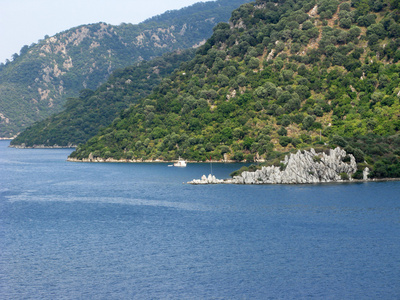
point(304, 167)
point(366, 173)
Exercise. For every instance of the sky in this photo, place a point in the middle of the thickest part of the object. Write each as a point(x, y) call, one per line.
point(23, 22)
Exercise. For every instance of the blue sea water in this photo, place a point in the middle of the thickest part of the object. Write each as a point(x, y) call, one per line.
point(135, 231)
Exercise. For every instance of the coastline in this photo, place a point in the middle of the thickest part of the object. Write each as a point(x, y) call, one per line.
point(43, 147)
point(213, 180)
point(305, 167)
point(204, 180)
point(122, 160)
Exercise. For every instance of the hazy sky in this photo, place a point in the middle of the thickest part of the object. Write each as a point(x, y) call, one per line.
point(23, 22)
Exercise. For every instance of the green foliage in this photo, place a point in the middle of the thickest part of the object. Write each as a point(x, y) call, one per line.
point(282, 131)
point(308, 122)
point(381, 154)
point(240, 171)
point(38, 82)
point(387, 167)
point(327, 8)
point(284, 141)
point(93, 110)
point(238, 156)
point(340, 87)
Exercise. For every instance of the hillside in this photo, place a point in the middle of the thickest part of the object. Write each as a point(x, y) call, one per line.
point(37, 82)
point(283, 75)
point(82, 117)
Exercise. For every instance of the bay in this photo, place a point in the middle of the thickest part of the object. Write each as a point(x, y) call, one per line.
point(136, 231)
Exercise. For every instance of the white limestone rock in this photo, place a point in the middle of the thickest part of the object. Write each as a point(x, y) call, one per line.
point(303, 167)
point(365, 173)
point(211, 179)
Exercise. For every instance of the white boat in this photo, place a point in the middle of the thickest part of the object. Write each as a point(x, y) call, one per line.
point(180, 163)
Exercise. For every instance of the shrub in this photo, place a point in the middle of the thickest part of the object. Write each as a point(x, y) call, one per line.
point(284, 141)
point(238, 156)
point(339, 141)
point(249, 158)
point(316, 158)
point(345, 23)
point(254, 63)
point(282, 131)
point(308, 122)
point(238, 172)
point(345, 6)
point(358, 174)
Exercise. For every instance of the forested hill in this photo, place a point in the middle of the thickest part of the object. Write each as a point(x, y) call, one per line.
point(37, 82)
point(85, 115)
point(283, 75)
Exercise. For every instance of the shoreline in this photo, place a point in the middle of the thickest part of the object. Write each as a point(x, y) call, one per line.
point(42, 147)
point(204, 180)
point(210, 180)
point(112, 160)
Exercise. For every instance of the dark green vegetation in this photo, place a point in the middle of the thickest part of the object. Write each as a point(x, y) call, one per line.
point(82, 117)
point(381, 154)
point(285, 75)
point(42, 76)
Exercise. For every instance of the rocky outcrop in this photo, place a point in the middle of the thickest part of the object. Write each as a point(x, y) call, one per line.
point(301, 167)
point(207, 180)
point(304, 167)
point(366, 173)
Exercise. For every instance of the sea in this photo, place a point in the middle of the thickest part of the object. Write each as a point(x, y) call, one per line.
point(73, 230)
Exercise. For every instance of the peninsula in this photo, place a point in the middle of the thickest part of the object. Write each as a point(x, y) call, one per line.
point(301, 167)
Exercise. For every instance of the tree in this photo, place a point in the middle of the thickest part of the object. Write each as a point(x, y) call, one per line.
point(224, 149)
point(223, 80)
point(254, 63)
point(307, 25)
point(308, 122)
point(345, 6)
point(345, 23)
point(284, 97)
point(221, 33)
point(24, 50)
point(238, 156)
point(261, 92)
point(282, 131)
point(338, 59)
point(248, 142)
point(270, 89)
point(15, 56)
point(394, 4)
point(377, 29)
point(340, 141)
point(284, 141)
point(226, 134)
point(238, 133)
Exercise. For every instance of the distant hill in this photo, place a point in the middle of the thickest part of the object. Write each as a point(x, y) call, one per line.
point(42, 76)
point(282, 76)
point(85, 115)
